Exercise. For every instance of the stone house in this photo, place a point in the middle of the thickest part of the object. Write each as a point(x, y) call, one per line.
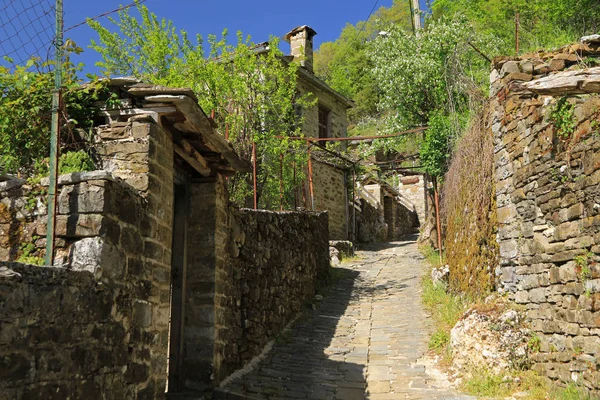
point(328, 119)
point(399, 213)
point(166, 289)
point(412, 188)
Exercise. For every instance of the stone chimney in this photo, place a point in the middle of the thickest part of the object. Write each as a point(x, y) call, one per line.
point(301, 43)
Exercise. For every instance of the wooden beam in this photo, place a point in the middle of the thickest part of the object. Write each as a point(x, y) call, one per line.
point(193, 158)
point(190, 154)
point(202, 124)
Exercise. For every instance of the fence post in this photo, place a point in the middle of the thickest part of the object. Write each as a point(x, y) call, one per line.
point(54, 136)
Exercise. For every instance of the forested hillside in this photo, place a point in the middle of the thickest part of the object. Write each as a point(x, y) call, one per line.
point(441, 75)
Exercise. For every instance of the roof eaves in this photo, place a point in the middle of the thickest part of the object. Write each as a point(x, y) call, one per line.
point(322, 85)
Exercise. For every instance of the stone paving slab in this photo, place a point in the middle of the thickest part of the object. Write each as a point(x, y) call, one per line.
point(364, 340)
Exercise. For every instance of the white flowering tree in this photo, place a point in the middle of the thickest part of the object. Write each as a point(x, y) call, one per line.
point(430, 79)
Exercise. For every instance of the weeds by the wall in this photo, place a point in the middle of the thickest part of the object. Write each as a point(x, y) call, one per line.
point(562, 115)
point(28, 252)
point(445, 307)
point(528, 383)
point(573, 391)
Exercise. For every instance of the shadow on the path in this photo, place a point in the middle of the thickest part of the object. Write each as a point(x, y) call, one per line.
point(316, 359)
point(298, 366)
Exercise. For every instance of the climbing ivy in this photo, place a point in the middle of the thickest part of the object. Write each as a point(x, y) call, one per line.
point(563, 118)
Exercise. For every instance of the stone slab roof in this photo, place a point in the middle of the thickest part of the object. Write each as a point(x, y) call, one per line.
point(195, 135)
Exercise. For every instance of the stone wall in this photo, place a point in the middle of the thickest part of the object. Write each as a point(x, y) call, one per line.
point(87, 207)
point(405, 220)
point(331, 195)
point(370, 224)
point(118, 235)
point(329, 183)
point(274, 262)
point(124, 150)
point(547, 172)
point(60, 337)
point(413, 189)
point(94, 328)
point(382, 205)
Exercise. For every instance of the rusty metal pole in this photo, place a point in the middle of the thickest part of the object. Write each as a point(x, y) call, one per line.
point(304, 201)
point(281, 182)
point(254, 174)
point(310, 179)
point(354, 202)
point(353, 138)
point(294, 185)
point(437, 217)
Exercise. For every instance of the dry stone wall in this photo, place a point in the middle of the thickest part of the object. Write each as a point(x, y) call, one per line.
point(330, 195)
point(115, 240)
point(93, 328)
point(547, 171)
point(370, 224)
point(87, 207)
point(404, 220)
point(274, 263)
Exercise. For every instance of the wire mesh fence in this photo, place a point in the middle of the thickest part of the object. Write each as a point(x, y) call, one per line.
point(27, 30)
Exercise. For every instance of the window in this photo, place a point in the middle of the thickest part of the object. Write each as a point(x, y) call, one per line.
point(323, 122)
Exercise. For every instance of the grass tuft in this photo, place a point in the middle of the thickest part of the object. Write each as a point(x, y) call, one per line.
point(573, 391)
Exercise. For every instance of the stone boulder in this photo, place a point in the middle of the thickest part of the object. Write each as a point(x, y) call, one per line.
point(440, 275)
point(495, 340)
point(344, 247)
point(334, 256)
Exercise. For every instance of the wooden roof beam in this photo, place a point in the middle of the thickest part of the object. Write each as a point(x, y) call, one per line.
point(190, 154)
point(193, 158)
point(196, 117)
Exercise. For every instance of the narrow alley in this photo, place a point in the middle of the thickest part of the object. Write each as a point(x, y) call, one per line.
point(365, 340)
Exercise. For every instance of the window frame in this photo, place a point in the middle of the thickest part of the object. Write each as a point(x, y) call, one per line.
point(326, 128)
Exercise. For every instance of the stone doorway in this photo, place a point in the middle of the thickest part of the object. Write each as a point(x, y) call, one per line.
point(181, 206)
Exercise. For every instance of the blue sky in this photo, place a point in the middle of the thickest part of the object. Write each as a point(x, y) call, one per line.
point(259, 19)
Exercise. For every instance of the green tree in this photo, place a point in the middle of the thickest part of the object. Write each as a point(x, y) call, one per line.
point(543, 23)
point(251, 89)
point(344, 63)
point(432, 79)
point(26, 111)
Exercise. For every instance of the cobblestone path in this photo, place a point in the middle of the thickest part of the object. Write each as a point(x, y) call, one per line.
point(364, 340)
